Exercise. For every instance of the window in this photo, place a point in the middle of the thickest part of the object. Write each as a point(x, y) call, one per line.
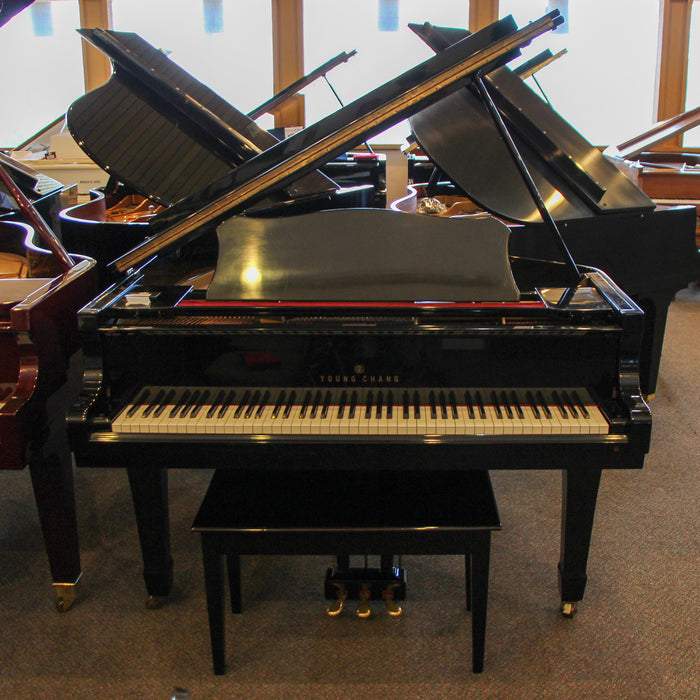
point(604, 85)
point(691, 139)
point(385, 46)
point(41, 61)
point(225, 44)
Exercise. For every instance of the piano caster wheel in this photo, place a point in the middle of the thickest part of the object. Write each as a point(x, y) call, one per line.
point(336, 607)
point(363, 609)
point(154, 602)
point(391, 606)
point(568, 608)
point(66, 593)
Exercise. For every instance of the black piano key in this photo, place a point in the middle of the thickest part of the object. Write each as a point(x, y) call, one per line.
point(138, 403)
point(252, 405)
point(315, 405)
point(569, 404)
point(242, 405)
point(453, 405)
point(305, 404)
point(516, 405)
point(278, 403)
point(389, 405)
point(533, 405)
point(545, 407)
point(353, 405)
point(469, 404)
point(581, 406)
point(263, 402)
point(216, 403)
point(226, 403)
point(200, 402)
point(184, 398)
point(154, 403)
point(416, 404)
point(433, 408)
point(189, 404)
point(480, 405)
point(165, 402)
point(496, 406)
point(341, 404)
point(443, 405)
point(326, 405)
point(368, 405)
point(560, 404)
point(406, 405)
point(506, 405)
point(290, 404)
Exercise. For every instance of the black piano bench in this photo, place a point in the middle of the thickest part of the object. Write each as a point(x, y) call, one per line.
point(345, 513)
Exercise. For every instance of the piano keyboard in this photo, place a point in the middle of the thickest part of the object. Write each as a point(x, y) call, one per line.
point(348, 411)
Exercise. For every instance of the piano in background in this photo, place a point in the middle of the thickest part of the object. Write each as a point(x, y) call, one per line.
point(177, 137)
point(40, 293)
point(42, 191)
point(359, 339)
point(649, 250)
point(670, 178)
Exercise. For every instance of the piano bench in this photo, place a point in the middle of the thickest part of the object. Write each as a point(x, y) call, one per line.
point(315, 512)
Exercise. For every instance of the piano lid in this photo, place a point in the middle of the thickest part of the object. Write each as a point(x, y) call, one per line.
point(374, 255)
point(9, 8)
point(159, 130)
point(459, 135)
point(321, 142)
point(666, 129)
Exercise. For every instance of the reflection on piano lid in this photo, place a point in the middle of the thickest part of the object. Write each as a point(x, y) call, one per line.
point(362, 255)
point(156, 128)
point(573, 177)
point(319, 143)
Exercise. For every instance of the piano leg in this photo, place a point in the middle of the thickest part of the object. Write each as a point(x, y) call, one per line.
point(579, 494)
point(149, 492)
point(51, 471)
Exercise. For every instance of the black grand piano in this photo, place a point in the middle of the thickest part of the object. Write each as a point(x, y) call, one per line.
point(361, 339)
point(650, 251)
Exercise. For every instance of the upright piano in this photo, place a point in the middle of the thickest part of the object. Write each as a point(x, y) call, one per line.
point(41, 289)
point(359, 339)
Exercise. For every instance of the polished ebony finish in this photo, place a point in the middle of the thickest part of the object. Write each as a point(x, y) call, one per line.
point(414, 512)
point(139, 333)
point(159, 130)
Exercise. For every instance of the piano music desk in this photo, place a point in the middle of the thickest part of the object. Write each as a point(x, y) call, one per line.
point(409, 512)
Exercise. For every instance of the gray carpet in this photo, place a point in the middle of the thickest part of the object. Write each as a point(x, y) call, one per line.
point(636, 633)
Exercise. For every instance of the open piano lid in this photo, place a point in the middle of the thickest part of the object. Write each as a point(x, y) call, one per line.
point(319, 143)
point(458, 135)
point(160, 131)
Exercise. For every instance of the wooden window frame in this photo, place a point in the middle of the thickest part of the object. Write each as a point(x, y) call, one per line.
point(288, 53)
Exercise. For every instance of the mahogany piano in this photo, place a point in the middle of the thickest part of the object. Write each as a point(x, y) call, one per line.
point(40, 293)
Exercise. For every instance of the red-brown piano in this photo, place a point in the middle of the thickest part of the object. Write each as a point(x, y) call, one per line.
point(41, 291)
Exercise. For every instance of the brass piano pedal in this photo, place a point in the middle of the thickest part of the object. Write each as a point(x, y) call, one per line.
point(336, 607)
point(363, 609)
point(392, 606)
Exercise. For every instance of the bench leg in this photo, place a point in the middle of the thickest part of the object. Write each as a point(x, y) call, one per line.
point(481, 551)
point(214, 585)
point(233, 566)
